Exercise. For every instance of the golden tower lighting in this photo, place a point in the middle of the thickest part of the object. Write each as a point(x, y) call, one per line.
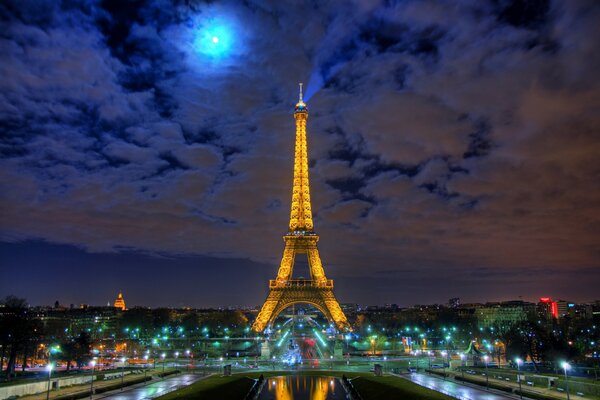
point(120, 302)
point(285, 291)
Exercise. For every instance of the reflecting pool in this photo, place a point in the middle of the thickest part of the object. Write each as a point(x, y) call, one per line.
point(301, 387)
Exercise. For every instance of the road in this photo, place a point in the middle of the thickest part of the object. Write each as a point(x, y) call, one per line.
point(454, 389)
point(152, 389)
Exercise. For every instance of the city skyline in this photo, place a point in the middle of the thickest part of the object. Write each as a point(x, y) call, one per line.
point(136, 293)
point(453, 150)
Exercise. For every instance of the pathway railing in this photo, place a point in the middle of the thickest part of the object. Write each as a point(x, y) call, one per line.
point(256, 388)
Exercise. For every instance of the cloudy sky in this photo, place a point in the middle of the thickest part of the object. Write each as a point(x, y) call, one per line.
point(454, 148)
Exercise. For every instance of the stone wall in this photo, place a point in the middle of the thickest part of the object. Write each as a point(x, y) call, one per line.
point(7, 392)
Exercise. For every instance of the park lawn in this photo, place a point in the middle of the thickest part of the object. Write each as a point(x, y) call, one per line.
point(370, 387)
point(214, 387)
point(391, 387)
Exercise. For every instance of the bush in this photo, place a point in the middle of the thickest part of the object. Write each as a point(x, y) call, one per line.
point(437, 372)
point(533, 395)
point(163, 374)
point(118, 385)
point(492, 385)
point(74, 396)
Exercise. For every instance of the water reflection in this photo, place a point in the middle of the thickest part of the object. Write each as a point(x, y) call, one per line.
point(299, 387)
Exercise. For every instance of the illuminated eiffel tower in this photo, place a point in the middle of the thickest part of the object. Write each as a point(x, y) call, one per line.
point(301, 238)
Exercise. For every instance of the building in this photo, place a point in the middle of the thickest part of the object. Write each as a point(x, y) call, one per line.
point(565, 309)
point(547, 308)
point(120, 302)
point(502, 315)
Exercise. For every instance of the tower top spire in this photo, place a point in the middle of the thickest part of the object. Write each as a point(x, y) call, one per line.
point(301, 105)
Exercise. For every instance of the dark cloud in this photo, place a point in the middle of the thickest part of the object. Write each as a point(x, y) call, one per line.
point(448, 138)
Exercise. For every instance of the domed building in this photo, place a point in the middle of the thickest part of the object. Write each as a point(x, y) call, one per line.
point(120, 302)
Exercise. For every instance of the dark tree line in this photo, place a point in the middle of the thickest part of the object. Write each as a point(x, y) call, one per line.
point(76, 349)
point(20, 334)
point(539, 342)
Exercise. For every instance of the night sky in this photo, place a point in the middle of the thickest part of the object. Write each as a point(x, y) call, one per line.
point(454, 148)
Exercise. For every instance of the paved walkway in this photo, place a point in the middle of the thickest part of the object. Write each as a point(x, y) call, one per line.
point(152, 389)
point(454, 389)
point(157, 385)
point(551, 393)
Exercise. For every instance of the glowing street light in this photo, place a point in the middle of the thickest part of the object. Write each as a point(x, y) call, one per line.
point(444, 353)
point(487, 378)
point(123, 359)
point(93, 364)
point(566, 366)
point(49, 368)
point(163, 355)
point(430, 354)
point(145, 368)
point(519, 362)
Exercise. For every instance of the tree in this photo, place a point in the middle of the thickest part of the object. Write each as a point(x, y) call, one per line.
point(18, 330)
point(77, 349)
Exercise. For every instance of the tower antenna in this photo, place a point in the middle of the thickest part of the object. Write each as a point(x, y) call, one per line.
point(301, 100)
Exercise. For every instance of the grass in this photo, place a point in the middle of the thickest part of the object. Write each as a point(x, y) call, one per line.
point(391, 387)
point(214, 387)
point(370, 387)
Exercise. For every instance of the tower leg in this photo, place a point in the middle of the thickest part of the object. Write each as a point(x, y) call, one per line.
point(266, 312)
point(287, 262)
point(334, 309)
point(316, 268)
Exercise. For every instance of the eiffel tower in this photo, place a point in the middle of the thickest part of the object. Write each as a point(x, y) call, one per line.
point(301, 238)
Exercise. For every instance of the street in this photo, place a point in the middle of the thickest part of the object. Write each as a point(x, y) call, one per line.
point(453, 389)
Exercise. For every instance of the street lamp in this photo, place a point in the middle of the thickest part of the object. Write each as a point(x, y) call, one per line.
point(49, 368)
point(566, 366)
point(122, 371)
point(163, 355)
point(93, 363)
point(443, 365)
point(462, 364)
point(176, 356)
point(187, 353)
point(519, 362)
point(145, 368)
point(331, 362)
point(487, 378)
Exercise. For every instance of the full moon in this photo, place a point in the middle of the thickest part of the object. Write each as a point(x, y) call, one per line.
point(214, 38)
